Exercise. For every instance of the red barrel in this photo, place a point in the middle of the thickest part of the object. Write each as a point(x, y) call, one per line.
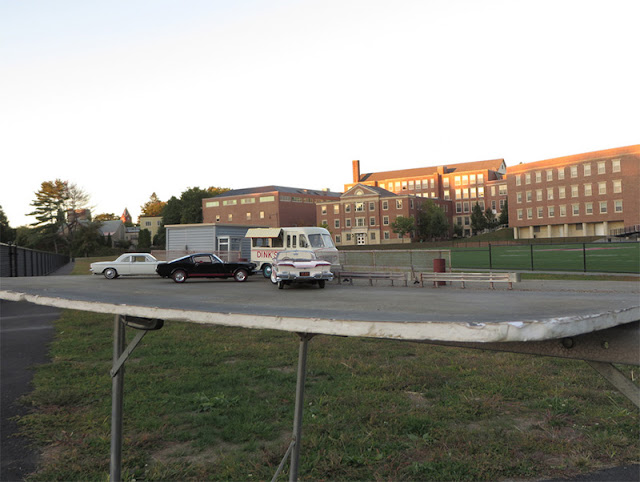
point(439, 266)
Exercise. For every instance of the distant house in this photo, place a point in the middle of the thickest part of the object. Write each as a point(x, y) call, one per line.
point(152, 223)
point(115, 229)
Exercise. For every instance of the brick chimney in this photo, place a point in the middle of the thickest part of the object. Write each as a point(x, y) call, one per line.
point(356, 171)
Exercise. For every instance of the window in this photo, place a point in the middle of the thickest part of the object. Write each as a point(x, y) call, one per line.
point(549, 193)
point(458, 193)
point(248, 200)
point(602, 188)
point(540, 212)
point(587, 169)
point(503, 190)
point(372, 206)
point(602, 168)
point(465, 206)
point(563, 210)
point(360, 222)
point(472, 179)
point(603, 207)
point(617, 186)
point(336, 223)
point(588, 208)
point(538, 195)
point(549, 175)
point(560, 173)
point(518, 180)
point(529, 213)
point(372, 236)
point(372, 221)
point(267, 199)
point(447, 195)
point(574, 190)
point(445, 182)
point(518, 197)
point(527, 178)
point(481, 191)
point(338, 239)
point(398, 203)
point(248, 216)
point(397, 188)
point(385, 220)
point(336, 209)
point(347, 208)
point(465, 194)
point(385, 205)
point(213, 204)
point(458, 207)
point(386, 235)
point(261, 214)
point(575, 209)
point(411, 186)
point(617, 205)
point(347, 223)
point(465, 180)
point(404, 185)
point(456, 181)
point(359, 207)
point(323, 209)
point(538, 176)
point(432, 183)
point(551, 211)
point(230, 217)
point(587, 190)
point(615, 165)
point(472, 193)
point(561, 192)
point(574, 171)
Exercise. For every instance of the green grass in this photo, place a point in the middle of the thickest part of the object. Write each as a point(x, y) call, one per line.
point(216, 403)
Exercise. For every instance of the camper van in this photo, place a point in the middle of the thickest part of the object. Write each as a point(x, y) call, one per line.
point(266, 243)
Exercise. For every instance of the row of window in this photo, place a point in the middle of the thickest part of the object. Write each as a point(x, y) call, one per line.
point(361, 237)
point(360, 222)
point(360, 206)
point(587, 190)
point(588, 168)
point(247, 200)
point(574, 209)
point(466, 207)
point(399, 186)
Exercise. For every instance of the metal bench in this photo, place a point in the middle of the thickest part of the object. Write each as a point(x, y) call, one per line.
point(438, 278)
point(371, 276)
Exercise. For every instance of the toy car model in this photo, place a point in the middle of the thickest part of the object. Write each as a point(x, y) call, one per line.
point(291, 266)
point(126, 265)
point(204, 265)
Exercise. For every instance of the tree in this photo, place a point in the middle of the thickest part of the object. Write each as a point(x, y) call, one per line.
point(503, 220)
point(7, 234)
point(432, 221)
point(172, 211)
point(490, 219)
point(403, 225)
point(478, 221)
point(153, 207)
point(106, 217)
point(144, 240)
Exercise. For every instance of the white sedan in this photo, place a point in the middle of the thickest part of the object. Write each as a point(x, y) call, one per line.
point(292, 266)
point(129, 264)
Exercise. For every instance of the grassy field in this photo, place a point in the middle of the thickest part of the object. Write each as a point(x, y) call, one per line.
point(216, 403)
point(612, 258)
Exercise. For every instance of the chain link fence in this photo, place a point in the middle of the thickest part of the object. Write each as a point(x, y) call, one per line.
point(16, 261)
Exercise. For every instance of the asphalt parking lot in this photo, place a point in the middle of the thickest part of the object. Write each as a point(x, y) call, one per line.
point(26, 329)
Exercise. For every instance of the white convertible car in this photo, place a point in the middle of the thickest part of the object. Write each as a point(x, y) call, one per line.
point(292, 266)
point(126, 265)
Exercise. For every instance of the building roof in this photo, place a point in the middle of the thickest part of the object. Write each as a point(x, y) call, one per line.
point(377, 190)
point(110, 227)
point(559, 161)
point(280, 189)
point(491, 165)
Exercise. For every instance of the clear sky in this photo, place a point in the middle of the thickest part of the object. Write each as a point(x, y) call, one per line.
point(129, 97)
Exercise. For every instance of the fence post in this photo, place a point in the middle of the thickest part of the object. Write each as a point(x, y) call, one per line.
point(584, 257)
point(531, 246)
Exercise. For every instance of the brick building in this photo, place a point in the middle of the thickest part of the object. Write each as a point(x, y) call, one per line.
point(363, 215)
point(591, 194)
point(269, 206)
point(463, 184)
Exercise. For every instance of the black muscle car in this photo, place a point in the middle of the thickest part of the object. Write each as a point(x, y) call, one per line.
point(204, 265)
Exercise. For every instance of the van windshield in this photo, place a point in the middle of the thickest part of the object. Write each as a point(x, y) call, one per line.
point(320, 241)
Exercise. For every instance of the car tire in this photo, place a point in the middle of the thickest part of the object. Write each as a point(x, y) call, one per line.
point(321, 283)
point(240, 275)
point(110, 273)
point(266, 270)
point(179, 276)
point(273, 278)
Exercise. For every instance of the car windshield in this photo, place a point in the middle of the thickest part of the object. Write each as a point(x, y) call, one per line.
point(295, 256)
point(320, 240)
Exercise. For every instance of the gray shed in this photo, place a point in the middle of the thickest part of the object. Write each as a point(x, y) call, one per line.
point(226, 240)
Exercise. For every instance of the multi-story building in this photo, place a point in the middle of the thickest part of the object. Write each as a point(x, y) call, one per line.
point(464, 184)
point(152, 223)
point(591, 194)
point(269, 206)
point(364, 215)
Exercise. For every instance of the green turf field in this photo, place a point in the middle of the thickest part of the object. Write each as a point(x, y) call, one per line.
point(594, 257)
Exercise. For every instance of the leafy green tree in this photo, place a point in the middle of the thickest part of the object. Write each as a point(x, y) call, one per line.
point(192, 205)
point(490, 219)
point(106, 217)
point(478, 221)
point(503, 220)
point(88, 240)
point(403, 225)
point(144, 240)
point(432, 221)
point(7, 234)
point(172, 211)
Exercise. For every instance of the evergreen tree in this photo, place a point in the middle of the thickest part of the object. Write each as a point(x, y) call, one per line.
point(478, 221)
point(503, 220)
point(432, 221)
